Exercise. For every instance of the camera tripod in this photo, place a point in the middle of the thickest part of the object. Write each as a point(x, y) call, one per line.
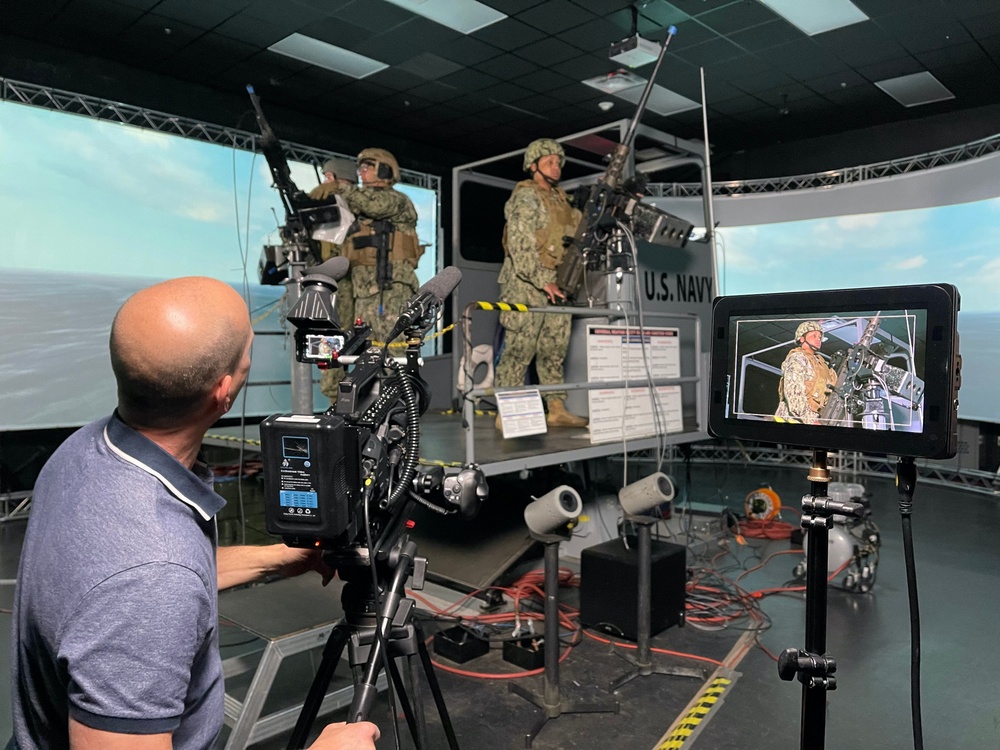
point(374, 633)
point(813, 667)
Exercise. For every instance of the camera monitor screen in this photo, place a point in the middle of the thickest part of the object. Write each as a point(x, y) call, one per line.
point(873, 370)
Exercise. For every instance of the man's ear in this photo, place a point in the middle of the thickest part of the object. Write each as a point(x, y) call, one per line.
point(221, 393)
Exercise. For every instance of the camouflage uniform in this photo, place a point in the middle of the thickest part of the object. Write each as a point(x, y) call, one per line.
point(803, 388)
point(380, 308)
point(330, 379)
point(537, 219)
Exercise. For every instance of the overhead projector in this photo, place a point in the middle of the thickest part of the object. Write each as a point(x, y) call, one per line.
point(634, 52)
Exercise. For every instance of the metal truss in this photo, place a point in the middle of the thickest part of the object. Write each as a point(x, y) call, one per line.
point(45, 97)
point(843, 464)
point(833, 178)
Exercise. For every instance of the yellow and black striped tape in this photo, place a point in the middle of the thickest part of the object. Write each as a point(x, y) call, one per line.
point(232, 439)
point(692, 722)
point(505, 306)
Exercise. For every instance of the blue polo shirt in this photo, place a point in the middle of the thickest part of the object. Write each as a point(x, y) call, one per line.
point(116, 609)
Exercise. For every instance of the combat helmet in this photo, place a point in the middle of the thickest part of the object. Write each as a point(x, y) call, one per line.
point(330, 165)
point(804, 328)
point(542, 147)
point(383, 160)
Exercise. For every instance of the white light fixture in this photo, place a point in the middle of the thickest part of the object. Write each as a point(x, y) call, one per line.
point(612, 83)
point(661, 101)
point(461, 15)
point(915, 89)
point(817, 16)
point(634, 51)
point(328, 56)
point(629, 86)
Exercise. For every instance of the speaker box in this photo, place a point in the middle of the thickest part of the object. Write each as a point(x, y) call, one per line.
point(609, 587)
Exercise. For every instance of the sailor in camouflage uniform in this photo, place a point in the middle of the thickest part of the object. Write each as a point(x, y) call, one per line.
point(539, 217)
point(384, 217)
point(345, 293)
point(806, 378)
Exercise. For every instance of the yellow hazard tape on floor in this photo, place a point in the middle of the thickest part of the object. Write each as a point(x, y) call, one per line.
point(681, 735)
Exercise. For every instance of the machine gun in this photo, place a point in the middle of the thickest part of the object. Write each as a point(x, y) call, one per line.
point(613, 200)
point(306, 219)
point(866, 382)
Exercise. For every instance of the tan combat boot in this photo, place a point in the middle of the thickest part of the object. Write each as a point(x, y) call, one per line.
point(559, 417)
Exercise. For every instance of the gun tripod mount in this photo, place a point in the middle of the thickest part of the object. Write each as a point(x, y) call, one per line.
point(552, 705)
point(376, 631)
point(813, 667)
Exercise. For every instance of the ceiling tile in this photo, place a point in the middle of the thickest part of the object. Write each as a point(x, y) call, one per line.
point(199, 13)
point(737, 17)
point(430, 66)
point(338, 33)
point(509, 34)
point(543, 80)
point(802, 58)
point(860, 44)
point(836, 81)
point(468, 79)
point(766, 35)
point(468, 51)
point(377, 16)
point(717, 50)
point(548, 52)
point(247, 28)
point(970, 52)
point(903, 66)
point(555, 16)
point(593, 36)
point(506, 67)
point(586, 66)
point(603, 7)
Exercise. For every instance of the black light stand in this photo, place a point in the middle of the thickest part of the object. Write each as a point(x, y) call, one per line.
point(812, 666)
point(643, 660)
point(551, 703)
point(365, 632)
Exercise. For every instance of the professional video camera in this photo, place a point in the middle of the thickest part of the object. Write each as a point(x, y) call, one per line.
point(327, 477)
point(614, 205)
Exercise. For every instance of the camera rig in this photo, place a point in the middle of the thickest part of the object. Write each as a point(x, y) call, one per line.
point(331, 478)
point(614, 205)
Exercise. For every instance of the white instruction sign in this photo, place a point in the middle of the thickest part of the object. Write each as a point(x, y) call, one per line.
point(521, 413)
point(618, 353)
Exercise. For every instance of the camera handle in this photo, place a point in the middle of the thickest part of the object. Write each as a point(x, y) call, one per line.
point(813, 668)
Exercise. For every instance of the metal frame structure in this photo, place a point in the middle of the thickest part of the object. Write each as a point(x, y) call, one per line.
point(846, 463)
point(834, 177)
point(681, 152)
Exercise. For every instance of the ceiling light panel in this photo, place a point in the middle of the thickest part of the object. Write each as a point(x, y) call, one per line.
point(465, 16)
point(915, 89)
point(324, 55)
point(817, 16)
point(661, 101)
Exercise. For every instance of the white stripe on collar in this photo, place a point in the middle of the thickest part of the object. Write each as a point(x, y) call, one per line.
point(149, 470)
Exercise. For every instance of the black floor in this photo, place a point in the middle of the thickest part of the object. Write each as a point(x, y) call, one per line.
point(868, 634)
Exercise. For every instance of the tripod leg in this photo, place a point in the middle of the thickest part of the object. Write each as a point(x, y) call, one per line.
point(317, 691)
point(425, 660)
point(416, 699)
point(404, 702)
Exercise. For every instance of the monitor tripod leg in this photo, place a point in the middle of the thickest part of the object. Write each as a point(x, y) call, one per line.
point(321, 682)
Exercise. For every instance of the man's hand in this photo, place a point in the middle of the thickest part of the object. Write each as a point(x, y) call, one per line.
point(341, 736)
point(552, 291)
point(297, 561)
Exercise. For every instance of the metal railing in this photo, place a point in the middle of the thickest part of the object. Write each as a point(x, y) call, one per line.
point(469, 395)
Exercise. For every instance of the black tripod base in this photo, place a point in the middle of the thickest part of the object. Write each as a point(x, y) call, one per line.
point(646, 670)
point(561, 707)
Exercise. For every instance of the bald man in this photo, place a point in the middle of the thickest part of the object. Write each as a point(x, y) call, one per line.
point(115, 619)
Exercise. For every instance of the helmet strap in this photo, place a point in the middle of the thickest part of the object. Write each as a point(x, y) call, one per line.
point(540, 173)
